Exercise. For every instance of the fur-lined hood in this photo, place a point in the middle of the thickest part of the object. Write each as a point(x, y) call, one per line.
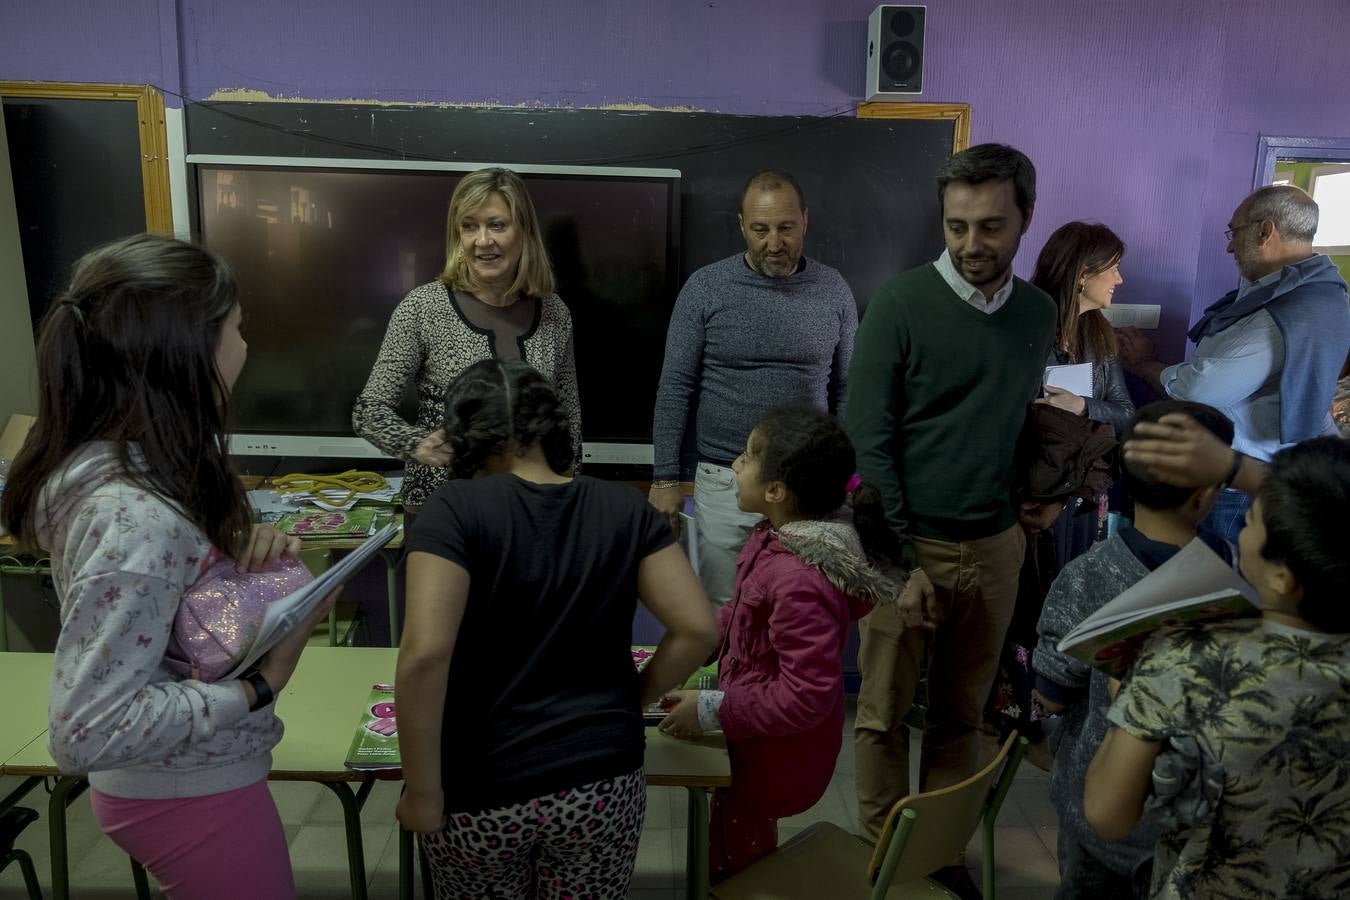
point(832, 547)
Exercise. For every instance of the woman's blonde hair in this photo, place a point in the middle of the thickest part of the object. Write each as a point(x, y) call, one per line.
point(534, 275)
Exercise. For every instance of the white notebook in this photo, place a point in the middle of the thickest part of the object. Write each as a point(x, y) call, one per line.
point(1076, 379)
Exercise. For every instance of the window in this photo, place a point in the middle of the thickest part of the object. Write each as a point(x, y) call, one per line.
point(1330, 187)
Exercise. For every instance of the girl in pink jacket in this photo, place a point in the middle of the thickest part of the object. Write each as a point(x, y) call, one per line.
point(809, 568)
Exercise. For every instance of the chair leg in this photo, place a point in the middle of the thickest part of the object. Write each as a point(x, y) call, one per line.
point(30, 879)
point(142, 882)
point(987, 859)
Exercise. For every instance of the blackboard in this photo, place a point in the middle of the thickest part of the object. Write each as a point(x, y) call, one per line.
point(868, 182)
point(76, 165)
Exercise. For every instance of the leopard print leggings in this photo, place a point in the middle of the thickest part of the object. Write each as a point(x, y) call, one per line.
point(576, 844)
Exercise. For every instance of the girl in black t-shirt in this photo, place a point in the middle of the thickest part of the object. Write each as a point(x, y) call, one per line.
point(519, 706)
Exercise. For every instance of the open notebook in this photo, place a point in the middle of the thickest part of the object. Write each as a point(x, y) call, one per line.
point(1191, 586)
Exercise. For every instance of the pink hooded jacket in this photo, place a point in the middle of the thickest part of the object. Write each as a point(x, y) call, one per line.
point(780, 657)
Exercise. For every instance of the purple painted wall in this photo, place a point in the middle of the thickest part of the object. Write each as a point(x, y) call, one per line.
point(1143, 115)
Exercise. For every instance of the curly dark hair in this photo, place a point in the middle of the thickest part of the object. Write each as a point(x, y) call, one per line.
point(810, 453)
point(495, 405)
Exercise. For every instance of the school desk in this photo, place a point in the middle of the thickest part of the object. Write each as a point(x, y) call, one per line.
point(11, 564)
point(321, 706)
point(25, 677)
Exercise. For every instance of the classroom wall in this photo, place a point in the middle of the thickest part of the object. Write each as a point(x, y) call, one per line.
point(18, 389)
point(1143, 115)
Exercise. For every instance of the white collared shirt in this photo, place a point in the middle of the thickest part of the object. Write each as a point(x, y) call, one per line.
point(969, 292)
point(1248, 286)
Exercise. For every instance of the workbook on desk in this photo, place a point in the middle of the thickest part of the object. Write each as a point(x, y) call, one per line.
point(313, 522)
point(375, 745)
point(1194, 585)
point(703, 679)
point(280, 617)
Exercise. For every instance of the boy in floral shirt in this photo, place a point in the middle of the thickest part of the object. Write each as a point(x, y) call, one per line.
point(1265, 698)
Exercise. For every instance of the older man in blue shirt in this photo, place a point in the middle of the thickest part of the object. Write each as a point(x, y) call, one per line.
point(1268, 353)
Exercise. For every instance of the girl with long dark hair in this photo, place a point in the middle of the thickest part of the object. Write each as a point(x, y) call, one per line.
point(125, 482)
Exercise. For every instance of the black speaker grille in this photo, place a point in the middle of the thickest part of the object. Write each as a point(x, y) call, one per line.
point(902, 23)
point(900, 61)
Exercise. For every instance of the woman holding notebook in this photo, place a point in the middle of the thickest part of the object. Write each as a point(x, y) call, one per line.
point(1080, 267)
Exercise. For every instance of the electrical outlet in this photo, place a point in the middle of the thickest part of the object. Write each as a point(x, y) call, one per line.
point(1140, 315)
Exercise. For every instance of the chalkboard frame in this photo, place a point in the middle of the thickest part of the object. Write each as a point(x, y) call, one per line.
point(154, 143)
point(958, 113)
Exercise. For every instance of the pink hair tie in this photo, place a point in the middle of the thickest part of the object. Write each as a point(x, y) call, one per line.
point(853, 483)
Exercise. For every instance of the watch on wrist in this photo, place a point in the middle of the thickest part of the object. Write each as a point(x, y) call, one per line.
point(1233, 472)
point(261, 688)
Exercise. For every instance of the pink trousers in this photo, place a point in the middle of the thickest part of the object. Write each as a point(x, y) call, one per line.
point(217, 847)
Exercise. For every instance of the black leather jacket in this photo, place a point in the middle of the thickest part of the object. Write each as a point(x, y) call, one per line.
point(1110, 401)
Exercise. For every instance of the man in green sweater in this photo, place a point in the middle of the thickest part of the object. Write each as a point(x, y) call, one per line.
point(946, 359)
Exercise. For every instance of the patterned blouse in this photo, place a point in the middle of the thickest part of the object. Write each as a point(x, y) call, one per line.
point(429, 342)
point(1272, 703)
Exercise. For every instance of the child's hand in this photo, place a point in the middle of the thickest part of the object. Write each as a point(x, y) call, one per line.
point(265, 546)
point(421, 812)
point(682, 719)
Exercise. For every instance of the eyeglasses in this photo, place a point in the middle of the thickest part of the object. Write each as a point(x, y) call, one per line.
point(1230, 233)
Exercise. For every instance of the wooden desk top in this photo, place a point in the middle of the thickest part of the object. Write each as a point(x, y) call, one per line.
point(320, 706)
point(26, 677)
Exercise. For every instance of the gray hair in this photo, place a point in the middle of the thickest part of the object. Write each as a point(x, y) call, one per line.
point(1292, 211)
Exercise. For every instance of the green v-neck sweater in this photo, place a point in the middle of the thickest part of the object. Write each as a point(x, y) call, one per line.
point(937, 395)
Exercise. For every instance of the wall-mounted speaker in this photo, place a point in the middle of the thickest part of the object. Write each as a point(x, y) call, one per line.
point(895, 52)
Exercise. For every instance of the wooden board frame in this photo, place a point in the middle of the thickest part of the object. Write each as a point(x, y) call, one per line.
point(154, 139)
point(959, 113)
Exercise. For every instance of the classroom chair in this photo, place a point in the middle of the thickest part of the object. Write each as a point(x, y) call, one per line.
point(12, 823)
point(923, 833)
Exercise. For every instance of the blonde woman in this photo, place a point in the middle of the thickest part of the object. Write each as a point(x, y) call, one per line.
point(495, 299)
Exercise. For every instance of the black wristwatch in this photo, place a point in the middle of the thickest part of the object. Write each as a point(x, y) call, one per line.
point(261, 688)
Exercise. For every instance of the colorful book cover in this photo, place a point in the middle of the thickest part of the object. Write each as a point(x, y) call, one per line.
point(1116, 650)
point(703, 679)
point(1194, 585)
point(375, 744)
point(310, 521)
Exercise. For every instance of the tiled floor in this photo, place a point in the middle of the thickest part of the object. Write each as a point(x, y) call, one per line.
point(1025, 842)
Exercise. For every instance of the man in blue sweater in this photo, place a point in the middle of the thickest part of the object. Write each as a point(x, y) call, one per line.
point(1267, 354)
point(756, 330)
